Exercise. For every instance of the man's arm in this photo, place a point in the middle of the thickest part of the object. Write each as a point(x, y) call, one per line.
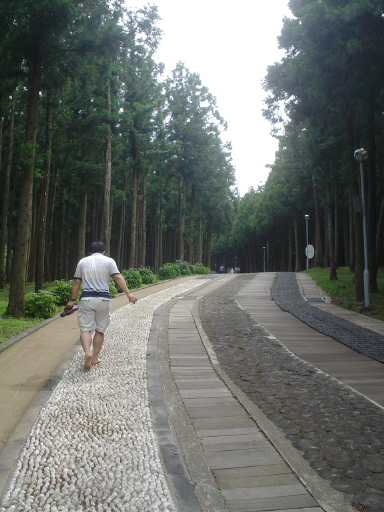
point(120, 281)
point(75, 289)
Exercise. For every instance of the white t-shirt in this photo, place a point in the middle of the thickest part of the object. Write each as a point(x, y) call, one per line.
point(95, 272)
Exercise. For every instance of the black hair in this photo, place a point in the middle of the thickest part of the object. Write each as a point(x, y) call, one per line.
point(97, 247)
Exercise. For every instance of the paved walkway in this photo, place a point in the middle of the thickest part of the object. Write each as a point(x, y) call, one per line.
point(204, 447)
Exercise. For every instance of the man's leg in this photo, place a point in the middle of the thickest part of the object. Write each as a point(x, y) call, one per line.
point(97, 344)
point(102, 321)
point(86, 341)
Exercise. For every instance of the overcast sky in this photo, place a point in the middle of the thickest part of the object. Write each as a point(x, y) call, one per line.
point(229, 44)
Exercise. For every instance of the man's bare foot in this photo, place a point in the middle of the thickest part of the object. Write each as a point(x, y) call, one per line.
point(87, 361)
point(97, 362)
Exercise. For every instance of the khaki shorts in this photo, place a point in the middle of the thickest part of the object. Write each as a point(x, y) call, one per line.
point(94, 313)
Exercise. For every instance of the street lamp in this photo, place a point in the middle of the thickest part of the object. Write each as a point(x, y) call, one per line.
point(306, 229)
point(361, 155)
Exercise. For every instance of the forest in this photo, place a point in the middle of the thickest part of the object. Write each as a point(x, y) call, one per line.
point(324, 101)
point(96, 143)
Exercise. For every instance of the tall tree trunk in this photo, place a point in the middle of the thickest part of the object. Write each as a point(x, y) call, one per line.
point(143, 224)
point(59, 260)
point(82, 226)
point(290, 249)
point(326, 240)
point(106, 212)
point(297, 259)
point(199, 256)
point(49, 227)
point(345, 237)
point(318, 241)
point(11, 234)
point(17, 289)
point(331, 238)
point(379, 231)
point(336, 231)
point(351, 260)
point(1, 126)
point(208, 249)
point(371, 198)
point(191, 246)
point(43, 206)
point(120, 237)
point(182, 206)
point(33, 243)
point(159, 235)
point(6, 185)
point(357, 221)
point(10, 243)
point(132, 249)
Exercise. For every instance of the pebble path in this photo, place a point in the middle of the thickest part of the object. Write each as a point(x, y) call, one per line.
point(92, 446)
point(337, 430)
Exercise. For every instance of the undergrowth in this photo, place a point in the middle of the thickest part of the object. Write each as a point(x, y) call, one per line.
point(342, 291)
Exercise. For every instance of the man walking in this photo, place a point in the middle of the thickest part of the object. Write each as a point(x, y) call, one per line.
point(93, 273)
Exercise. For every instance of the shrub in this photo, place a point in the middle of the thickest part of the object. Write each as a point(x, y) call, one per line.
point(61, 290)
point(147, 276)
point(198, 268)
point(132, 278)
point(41, 304)
point(185, 268)
point(169, 271)
point(112, 288)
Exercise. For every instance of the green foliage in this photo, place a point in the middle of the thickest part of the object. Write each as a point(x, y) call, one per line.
point(112, 288)
point(342, 291)
point(133, 278)
point(169, 271)
point(147, 276)
point(41, 304)
point(185, 268)
point(61, 290)
point(198, 268)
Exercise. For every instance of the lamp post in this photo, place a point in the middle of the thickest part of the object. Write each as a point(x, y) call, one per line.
point(361, 155)
point(306, 230)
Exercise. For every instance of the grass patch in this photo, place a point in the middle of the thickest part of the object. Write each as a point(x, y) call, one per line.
point(9, 326)
point(342, 291)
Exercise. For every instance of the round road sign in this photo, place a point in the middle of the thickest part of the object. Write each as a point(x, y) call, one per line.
point(310, 251)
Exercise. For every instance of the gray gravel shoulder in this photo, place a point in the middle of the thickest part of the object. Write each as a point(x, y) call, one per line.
point(338, 431)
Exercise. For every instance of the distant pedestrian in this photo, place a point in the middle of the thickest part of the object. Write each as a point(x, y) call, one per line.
point(93, 273)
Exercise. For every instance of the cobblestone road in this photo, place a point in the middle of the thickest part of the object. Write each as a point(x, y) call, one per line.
point(337, 430)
